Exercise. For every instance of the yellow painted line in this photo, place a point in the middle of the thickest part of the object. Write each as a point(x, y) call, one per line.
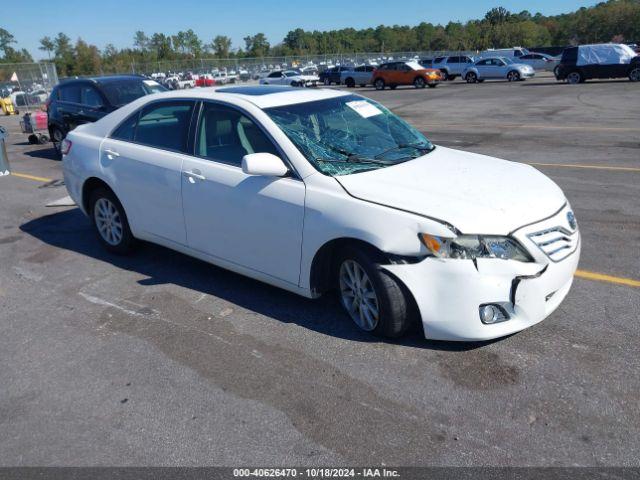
point(533, 127)
point(601, 277)
point(594, 167)
point(32, 177)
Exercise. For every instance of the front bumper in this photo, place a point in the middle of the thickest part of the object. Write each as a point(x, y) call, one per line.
point(449, 292)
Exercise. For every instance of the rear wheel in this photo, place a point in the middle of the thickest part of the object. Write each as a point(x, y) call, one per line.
point(574, 77)
point(445, 75)
point(379, 84)
point(327, 81)
point(634, 74)
point(513, 76)
point(56, 138)
point(110, 222)
point(419, 82)
point(371, 296)
point(471, 77)
point(350, 83)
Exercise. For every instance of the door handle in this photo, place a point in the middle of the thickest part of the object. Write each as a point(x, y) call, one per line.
point(193, 175)
point(111, 153)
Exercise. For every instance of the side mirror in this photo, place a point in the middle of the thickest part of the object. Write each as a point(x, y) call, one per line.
point(264, 164)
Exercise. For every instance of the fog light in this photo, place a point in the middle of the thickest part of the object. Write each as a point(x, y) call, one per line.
point(488, 314)
point(494, 313)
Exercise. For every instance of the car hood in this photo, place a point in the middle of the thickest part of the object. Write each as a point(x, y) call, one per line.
point(474, 193)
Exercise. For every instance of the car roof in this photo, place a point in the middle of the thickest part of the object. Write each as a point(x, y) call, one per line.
point(262, 96)
point(102, 80)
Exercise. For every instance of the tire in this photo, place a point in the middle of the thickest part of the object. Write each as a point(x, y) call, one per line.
point(57, 136)
point(326, 81)
point(513, 76)
point(471, 77)
point(379, 84)
point(419, 82)
point(350, 83)
point(375, 301)
point(451, 78)
point(445, 75)
point(110, 222)
point(574, 77)
point(634, 74)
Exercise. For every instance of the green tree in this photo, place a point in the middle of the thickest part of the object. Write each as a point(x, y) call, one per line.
point(257, 45)
point(47, 45)
point(221, 46)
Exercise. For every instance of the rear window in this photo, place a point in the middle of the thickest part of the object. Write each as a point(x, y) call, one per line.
point(121, 92)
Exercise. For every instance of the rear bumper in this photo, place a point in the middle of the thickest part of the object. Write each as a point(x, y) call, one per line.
point(449, 292)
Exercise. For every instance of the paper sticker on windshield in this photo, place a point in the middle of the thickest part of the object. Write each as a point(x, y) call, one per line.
point(150, 83)
point(364, 108)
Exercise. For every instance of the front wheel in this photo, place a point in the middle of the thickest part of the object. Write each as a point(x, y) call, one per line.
point(56, 138)
point(513, 76)
point(350, 83)
point(419, 82)
point(379, 84)
point(574, 77)
point(634, 74)
point(372, 297)
point(471, 77)
point(110, 222)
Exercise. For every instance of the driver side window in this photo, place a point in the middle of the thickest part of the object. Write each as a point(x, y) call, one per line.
point(226, 135)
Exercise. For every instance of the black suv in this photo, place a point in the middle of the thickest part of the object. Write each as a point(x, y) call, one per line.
point(332, 75)
point(85, 100)
point(598, 61)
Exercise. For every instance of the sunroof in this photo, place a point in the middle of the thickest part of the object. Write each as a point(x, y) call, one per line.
point(256, 90)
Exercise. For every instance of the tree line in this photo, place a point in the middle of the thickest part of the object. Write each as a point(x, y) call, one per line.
point(613, 20)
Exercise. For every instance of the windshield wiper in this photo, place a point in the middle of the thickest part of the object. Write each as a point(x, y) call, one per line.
point(417, 146)
point(354, 157)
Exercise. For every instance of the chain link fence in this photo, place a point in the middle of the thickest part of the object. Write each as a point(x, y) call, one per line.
point(27, 84)
point(257, 64)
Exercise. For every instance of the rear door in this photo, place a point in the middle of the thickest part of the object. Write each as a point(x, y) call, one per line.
point(68, 105)
point(144, 156)
point(92, 105)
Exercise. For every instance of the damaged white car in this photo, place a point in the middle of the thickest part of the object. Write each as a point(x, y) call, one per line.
point(321, 190)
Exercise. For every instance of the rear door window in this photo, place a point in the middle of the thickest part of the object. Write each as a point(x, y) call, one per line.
point(162, 125)
point(70, 93)
point(90, 97)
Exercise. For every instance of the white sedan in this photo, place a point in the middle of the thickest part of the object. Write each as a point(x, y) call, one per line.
point(290, 77)
point(317, 190)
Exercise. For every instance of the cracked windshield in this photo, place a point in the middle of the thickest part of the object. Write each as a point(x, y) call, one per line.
point(349, 134)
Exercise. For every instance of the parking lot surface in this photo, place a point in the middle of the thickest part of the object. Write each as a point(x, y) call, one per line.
point(160, 359)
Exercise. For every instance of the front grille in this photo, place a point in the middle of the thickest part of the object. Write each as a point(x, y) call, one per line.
point(557, 242)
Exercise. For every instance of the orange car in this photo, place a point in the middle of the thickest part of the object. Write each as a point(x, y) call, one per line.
point(405, 73)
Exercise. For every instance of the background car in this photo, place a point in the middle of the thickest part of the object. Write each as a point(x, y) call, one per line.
point(452, 67)
point(513, 53)
point(290, 77)
point(332, 75)
point(497, 68)
point(540, 61)
point(358, 76)
point(405, 73)
point(86, 100)
point(610, 60)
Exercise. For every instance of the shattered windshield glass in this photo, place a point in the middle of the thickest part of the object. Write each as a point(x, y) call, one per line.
point(349, 134)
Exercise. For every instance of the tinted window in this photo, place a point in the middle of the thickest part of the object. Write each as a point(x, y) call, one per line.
point(226, 135)
point(359, 69)
point(483, 62)
point(453, 60)
point(274, 75)
point(165, 125)
point(527, 57)
point(438, 60)
point(570, 55)
point(127, 129)
point(89, 96)
point(369, 68)
point(121, 92)
point(70, 93)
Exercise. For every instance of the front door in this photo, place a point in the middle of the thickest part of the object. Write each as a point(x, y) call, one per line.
point(251, 221)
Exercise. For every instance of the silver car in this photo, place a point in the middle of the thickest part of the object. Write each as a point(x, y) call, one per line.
point(497, 68)
point(540, 61)
point(357, 76)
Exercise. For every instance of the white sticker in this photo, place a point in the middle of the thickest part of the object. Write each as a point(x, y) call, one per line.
point(151, 83)
point(364, 108)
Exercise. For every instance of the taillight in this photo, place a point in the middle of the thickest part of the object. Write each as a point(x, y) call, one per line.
point(65, 146)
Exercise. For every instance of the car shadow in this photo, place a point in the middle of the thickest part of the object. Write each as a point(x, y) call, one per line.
point(70, 230)
point(45, 153)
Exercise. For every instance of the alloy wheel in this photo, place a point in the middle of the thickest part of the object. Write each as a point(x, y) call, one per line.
point(108, 221)
point(358, 295)
point(634, 75)
point(573, 78)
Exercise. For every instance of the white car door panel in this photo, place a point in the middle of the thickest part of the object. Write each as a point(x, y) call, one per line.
point(149, 177)
point(252, 221)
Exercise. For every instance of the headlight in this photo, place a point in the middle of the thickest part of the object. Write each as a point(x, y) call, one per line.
point(475, 246)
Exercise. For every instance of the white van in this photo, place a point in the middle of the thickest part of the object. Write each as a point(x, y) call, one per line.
point(513, 53)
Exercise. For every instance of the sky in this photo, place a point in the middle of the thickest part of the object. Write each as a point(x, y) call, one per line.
point(115, 21)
